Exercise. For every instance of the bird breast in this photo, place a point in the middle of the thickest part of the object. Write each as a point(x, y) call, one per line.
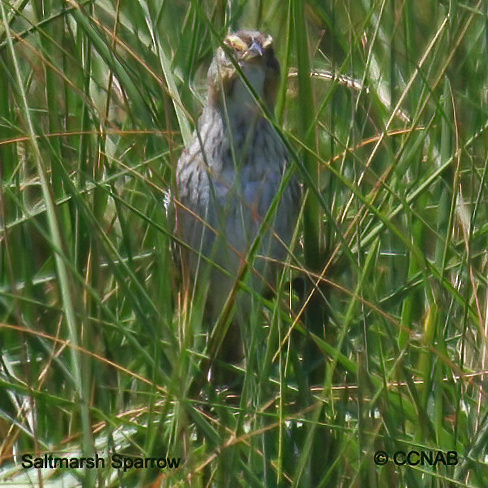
point(228, 179)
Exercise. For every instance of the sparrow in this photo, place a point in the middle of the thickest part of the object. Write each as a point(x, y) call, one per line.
point(234, 214)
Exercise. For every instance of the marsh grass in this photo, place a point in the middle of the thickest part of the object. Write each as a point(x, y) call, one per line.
point(381, 343)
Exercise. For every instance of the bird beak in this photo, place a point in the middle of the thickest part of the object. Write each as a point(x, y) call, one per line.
point(256, 49)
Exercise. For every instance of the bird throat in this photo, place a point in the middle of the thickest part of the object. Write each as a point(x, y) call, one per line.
point(239, 103)
point(236, 120)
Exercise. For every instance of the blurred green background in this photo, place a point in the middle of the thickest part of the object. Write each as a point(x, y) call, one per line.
point(384, 104)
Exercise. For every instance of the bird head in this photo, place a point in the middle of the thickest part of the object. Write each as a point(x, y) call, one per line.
point(253, 52)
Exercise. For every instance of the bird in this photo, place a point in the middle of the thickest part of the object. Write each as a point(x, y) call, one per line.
point(227, 181)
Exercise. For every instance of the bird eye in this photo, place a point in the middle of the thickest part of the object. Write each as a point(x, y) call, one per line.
point(235, 43)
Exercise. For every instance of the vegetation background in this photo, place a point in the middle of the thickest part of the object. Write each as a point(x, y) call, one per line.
point(385, 105)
